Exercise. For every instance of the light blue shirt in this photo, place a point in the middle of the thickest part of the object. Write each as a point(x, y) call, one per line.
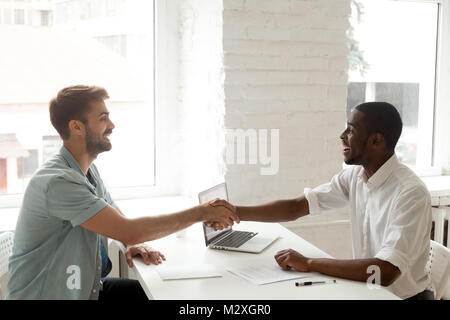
point(53, 256)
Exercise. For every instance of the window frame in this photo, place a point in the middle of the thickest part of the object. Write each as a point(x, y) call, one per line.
point(440, 163)
point(167, 165)
point(441, 147)
point(440, 157)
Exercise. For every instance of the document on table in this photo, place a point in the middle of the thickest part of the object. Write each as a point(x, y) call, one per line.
point(187, 271)
point(263, 272)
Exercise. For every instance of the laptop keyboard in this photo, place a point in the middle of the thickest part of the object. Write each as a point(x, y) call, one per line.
point(235, 239)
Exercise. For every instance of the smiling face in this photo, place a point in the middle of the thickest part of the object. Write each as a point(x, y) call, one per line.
point(355, 139)
point(98, 129)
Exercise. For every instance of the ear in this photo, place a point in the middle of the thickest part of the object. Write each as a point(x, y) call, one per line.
point(76, 127)
point(378, 140)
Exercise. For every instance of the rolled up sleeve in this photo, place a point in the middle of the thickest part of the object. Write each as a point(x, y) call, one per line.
point(407, 235)
point(395, 257)
point(331, 195)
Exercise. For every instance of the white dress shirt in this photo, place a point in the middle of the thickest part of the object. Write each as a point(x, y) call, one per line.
point(390, 216)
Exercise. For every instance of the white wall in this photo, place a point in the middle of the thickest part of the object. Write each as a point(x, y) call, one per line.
point(286, 68)
point(264, 64)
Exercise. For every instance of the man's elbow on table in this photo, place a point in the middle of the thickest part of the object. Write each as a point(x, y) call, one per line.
point(389, 273)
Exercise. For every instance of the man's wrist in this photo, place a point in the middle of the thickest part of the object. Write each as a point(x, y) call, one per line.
point(199, 213)
point(310, 264)
point(237, 212)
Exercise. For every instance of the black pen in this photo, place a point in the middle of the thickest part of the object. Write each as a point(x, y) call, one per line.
point(309, 283)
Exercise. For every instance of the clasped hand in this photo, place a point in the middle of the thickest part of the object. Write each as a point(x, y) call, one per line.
point(220, 214)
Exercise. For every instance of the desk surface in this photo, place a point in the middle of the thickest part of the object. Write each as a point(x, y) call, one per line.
point(191, 249)
point(439, 188)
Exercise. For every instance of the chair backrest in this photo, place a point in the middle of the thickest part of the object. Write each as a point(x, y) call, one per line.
point(6, 244)
point(438, 267)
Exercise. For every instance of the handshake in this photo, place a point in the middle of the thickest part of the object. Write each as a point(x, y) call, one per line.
point(219, 214)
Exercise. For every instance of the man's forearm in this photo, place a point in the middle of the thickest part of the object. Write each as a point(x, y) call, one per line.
point(110, 223)
point(151, 228)
point(121, 213)
point(161, 226)
point(277, 211)
point(357, 270)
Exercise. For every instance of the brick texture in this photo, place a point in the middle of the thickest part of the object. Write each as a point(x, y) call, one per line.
point(285, 65)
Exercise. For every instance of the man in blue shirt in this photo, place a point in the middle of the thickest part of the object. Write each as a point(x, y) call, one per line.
point(60, 245)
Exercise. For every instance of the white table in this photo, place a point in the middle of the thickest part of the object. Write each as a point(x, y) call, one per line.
point(191, 249)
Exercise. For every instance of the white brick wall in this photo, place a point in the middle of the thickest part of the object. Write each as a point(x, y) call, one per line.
point(286, 67)
point(264, 64)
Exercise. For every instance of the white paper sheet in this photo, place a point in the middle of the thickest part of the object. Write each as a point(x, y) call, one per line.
point(264, 272)
point(188, 271)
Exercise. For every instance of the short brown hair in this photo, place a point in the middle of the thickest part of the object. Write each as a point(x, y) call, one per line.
point(72, 103)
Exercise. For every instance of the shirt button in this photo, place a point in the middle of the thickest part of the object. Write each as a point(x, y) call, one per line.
point(94, 291)
point(99, 268)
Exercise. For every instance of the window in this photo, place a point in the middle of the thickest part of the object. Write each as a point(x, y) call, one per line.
point(50, 146)
point(27, 165)
point(113, 7)
point(394, 50)
point(45, 17)
point(19, 16)
point(86, 11)
point(71, 49)
point(117, 43)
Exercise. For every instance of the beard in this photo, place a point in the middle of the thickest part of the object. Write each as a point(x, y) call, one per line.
point(357, 154)
point(95, 143)
point(351, 161)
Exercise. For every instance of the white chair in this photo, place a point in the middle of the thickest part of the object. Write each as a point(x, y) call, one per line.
point(438, 267)
point(116, 253)
point(6, 244)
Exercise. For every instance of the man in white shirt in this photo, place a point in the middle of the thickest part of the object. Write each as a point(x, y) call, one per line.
point(390, 209)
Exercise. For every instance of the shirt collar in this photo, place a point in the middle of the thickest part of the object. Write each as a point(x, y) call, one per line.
point(381, 175)
point(65, 153)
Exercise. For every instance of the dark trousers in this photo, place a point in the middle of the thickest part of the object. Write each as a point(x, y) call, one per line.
point(424, 295)
point(121, 289)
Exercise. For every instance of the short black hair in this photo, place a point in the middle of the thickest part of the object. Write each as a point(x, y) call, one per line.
point(383, 118)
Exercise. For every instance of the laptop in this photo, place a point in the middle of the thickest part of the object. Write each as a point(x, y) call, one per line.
point(229, 239)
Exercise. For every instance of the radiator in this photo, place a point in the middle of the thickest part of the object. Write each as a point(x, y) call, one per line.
point(439, 228)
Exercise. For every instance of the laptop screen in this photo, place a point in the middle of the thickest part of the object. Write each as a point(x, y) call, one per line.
point(220, 192)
